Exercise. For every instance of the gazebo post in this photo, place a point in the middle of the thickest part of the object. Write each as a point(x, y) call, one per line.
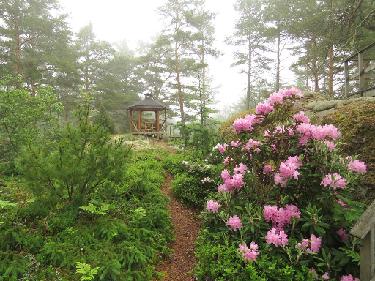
point(139, 119)
point(157, 113)
point(131, 120)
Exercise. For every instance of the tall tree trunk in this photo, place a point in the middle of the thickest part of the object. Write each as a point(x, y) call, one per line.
point(330, 55)
point(179, 87)
point(202, 86)
point(248, 73)
point(17, 47)
point(330, 71)
point(277, 82)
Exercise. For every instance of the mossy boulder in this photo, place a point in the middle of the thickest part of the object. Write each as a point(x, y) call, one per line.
point(356, 121)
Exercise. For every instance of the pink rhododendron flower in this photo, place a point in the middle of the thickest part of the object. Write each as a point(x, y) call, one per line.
point(348, 278)
point(225, 175)
point(342, 234)
point(310, 131)
point(234, 223)
point(266, 133)
point(357, 166)
point(246, 124)
point(276, 237)
point(288, 170)
point(252, 145)
point(235, 143)
point(276, 98)
point(301, 117)
point(292, 92)
point(330, 145)
point(222, 188)
point(303, 245)
point(311, 245)
point(315, 243)
point(325, 276)
point(240, 169)
point(334, 180)
point(280, 217)
point(222, 147)
point(267, 169)
point(226, 160)
point(263, 108)
point(213, 206)
point(249, 253)
point(290, 132)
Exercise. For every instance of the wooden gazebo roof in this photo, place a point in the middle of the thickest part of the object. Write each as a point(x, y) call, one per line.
point(148, 103)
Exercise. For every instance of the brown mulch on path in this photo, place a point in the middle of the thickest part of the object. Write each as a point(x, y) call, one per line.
point(186, 226)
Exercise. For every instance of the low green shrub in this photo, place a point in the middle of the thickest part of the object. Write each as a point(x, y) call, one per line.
point(77, 161)
point(122, 231)
point(193, 179)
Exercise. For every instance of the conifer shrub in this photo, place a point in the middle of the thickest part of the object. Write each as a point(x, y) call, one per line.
point(284, 206)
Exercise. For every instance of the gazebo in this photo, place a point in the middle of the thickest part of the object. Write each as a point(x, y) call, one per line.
point(147, 117)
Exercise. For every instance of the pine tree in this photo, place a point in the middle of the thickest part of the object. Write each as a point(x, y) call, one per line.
point(35, 42)
point(252, 42)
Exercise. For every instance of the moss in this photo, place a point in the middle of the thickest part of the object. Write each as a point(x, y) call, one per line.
point(356, 120)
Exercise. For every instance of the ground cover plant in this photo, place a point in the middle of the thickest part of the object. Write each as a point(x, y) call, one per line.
point(79, 205)
point(284, 207)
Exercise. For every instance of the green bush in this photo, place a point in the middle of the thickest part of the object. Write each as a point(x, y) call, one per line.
point(45, 239)
point(23, 118)
point(193, 180)
point(77, 161)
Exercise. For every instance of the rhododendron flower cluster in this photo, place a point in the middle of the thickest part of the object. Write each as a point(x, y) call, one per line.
point(245, 124)
point(313, 245)
point(357, 166)
point(235, 143)
point(313, 132)
point(249, 253)
point(252, 145)
point(335, 180)
point(213, 206)
point(267, 169)
point(280, 217)
point(277, 237)
point(234, 182)
point(348, 278)
point(221, 147)
point(330, 145)
point(301, 117)
point(263, 108)
point(234, 223)
point(288, 170)
point(240, 169)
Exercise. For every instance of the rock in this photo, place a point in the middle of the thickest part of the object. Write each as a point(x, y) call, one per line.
point(321, 105)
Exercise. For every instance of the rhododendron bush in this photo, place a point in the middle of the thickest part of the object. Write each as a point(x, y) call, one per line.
point(283, 203)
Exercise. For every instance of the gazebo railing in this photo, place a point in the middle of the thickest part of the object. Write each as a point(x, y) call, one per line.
point(365, 230)
point(360, 67)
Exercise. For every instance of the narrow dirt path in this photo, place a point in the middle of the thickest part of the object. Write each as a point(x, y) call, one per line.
point(186, 226)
